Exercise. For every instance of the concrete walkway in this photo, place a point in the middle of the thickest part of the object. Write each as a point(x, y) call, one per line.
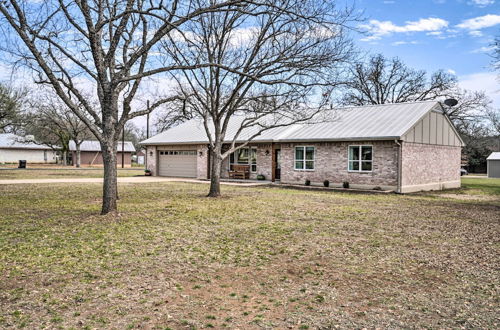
point(135, 179)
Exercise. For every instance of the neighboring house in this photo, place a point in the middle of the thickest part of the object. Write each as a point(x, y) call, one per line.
point(14, 148)
point(91, 155)
point(405, 147)
point(493, 165)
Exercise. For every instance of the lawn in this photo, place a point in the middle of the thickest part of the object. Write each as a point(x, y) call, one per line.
point(260, 257)
point(59, 173)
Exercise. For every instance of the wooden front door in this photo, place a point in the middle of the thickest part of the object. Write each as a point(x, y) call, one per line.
point(277, 164)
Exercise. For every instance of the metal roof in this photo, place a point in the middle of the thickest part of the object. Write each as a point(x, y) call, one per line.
point(96, 146)
point(12, 141)
point(494, 156)
point(385, 121)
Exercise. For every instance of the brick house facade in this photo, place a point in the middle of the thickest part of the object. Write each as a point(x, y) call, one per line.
point(419, 150)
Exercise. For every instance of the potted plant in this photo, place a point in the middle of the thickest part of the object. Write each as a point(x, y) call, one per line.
point(326, 183)
point(261, 177)
point(308, 182)
point(345, 185)
point(147, 172)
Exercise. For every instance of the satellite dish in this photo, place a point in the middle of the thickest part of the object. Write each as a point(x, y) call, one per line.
point(451, 102)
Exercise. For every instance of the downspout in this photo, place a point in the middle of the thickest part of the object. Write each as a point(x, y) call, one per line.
point(400, 154)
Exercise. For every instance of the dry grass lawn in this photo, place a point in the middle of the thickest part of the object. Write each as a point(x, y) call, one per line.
point(255, 258)
point(59, 173)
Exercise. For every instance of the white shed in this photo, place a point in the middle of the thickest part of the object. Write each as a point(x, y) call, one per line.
point(14, 148)
point(493, 163)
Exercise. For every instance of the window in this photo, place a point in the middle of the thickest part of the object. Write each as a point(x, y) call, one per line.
point(360, 158)
point(244, 156)
point(304, 158)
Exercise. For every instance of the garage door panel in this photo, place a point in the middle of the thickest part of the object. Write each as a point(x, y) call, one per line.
point(178, 163)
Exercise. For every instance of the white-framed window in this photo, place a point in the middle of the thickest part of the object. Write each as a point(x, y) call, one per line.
point(360, 158)
point(304, 158)
point(244, 156)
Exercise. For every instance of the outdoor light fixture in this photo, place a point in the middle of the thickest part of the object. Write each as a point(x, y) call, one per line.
point(267, 152)
point(201, 153)
point(151, 153)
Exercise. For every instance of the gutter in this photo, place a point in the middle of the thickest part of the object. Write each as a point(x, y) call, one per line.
point(315, 140)
point(400, 154)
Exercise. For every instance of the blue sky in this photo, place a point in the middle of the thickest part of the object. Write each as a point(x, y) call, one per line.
point(453, 35)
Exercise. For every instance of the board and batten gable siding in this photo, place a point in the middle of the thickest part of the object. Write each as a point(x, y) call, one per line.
point(434, 128)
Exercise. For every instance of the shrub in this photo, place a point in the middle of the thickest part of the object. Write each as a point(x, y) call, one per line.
point(308, 182)
point(345, 185)
point(326, 183)
point(261, 177)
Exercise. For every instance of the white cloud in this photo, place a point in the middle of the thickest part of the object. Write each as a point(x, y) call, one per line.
point(482, 3)
point(483, 81)
point(377, 28)
point(399, 43)
point(451, 71)
point(481, 22)
point(483, 49)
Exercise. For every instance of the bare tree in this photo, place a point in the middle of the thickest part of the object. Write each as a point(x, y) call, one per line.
point(470, 108)
point(493, 116)
point(496, 55)
point(108, 47)
point(381, 80)
point(11, 104)
point(52, 124)
point(270, 68)
point(170, 115)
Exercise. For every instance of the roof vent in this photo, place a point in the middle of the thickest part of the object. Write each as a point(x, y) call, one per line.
point(451, 102)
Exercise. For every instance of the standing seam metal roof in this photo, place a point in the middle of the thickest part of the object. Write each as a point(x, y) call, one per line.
point(355, 123)
point(12, 141)
point(96, 146)
point(494, 156)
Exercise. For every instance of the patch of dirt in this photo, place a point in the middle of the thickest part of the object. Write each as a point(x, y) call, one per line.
point(471, 197)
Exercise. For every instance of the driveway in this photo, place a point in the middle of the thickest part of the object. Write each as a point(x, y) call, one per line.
point(136, 179)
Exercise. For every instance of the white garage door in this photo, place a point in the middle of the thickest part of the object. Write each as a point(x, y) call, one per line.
point(181, 163)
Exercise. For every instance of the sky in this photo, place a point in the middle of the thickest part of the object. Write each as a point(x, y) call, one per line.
point(453, 35)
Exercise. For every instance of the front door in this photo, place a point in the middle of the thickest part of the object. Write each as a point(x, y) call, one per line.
point(277, 168)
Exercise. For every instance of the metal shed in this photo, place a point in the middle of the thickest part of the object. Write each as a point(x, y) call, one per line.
point(493, 163)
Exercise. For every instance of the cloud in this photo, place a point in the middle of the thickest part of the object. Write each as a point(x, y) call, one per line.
point(483, 49)
point(482, 3)
point(377, 28)
point(482, 81)
point(481, 22)
point(399, 43)
point(451, 71)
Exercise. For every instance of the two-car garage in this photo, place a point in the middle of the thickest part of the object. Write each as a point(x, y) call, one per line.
point(177, 163)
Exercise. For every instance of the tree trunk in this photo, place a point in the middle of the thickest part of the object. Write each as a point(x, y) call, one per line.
point(215, 172)
point(78, 155)
point(110, 190)
point(65, 158)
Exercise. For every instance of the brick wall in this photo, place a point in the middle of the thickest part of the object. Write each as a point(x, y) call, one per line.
point(202, 162)
point(151, 159)
point(331, 164)
point(427, 167)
